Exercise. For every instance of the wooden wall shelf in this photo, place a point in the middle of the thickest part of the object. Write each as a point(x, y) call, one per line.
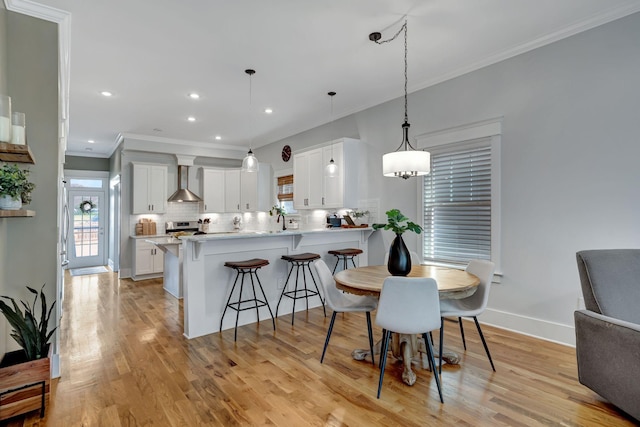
point(16, 153)
point(16, 214)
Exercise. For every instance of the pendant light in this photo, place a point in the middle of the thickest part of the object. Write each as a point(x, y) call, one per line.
point(406, 161)
point(331, 170)
point(250, 163)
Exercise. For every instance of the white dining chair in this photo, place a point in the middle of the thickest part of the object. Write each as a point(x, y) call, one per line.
point(471, 306)
point(341, 302)
point(409, 305)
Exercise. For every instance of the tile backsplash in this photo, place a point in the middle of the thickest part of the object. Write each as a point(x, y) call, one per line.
point(307, 220)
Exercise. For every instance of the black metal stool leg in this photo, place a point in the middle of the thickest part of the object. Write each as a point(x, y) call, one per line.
point(252, 272)
point(284, 289)
point(273, 320)
point(235, 332)
point(229, 299)
point(324, 309)
point(336, 266)
point(295, 293)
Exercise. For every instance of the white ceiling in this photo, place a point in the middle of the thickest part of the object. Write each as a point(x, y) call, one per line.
point(152, 53)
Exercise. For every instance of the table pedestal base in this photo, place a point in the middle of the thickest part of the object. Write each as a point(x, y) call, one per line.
point(409, 349)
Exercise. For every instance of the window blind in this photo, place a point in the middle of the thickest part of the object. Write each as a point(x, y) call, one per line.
point(457, 205)
point(285, 187)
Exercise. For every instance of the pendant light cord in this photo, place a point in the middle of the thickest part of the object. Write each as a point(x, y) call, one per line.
point(250, 73)
point(331, 95)
point(405, 127)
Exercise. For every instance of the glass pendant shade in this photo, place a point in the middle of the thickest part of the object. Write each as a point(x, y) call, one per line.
point(331, 170)
point(250, 163)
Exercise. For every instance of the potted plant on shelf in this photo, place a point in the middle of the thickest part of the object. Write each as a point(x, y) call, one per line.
point(15, 187)
point(25, 374)
point(399, 263)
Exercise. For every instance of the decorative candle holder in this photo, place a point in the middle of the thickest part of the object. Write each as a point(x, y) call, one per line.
point(5, 118)
point(18, 128)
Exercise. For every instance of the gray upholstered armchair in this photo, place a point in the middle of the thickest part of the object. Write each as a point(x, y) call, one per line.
point(608, 331)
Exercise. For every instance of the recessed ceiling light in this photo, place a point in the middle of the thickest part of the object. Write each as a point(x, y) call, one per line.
point(218, 137)
point(191, 119)
point(106, 93)
point(91, 141)
point(268, 110)
point(194, 95)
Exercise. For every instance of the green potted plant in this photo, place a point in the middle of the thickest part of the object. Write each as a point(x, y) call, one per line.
point(15, 187)
point(25, 373)
point(399, 263)
point(280, 212)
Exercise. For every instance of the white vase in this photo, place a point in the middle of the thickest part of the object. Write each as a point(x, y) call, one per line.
point(9, 204)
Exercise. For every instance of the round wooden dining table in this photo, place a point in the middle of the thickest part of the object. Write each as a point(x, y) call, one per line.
point(452, 284)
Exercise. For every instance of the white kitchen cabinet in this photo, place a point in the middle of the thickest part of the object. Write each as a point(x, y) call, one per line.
point(148, 259)
point(301, 181)
point(213, 186)
point(314, 190)
point(149, 188)
point(232, 190)
point(307, 179)
point(255, 189)
point(248, 191)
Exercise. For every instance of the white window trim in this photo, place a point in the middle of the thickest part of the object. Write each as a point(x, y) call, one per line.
point(491, 128)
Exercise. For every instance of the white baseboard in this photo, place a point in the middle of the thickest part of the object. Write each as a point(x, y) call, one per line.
point(124, 273)
point(543, 329)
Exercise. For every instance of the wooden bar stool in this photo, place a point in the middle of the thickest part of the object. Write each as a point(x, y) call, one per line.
point(345, 255)
point(251, 268)
point(300, 261)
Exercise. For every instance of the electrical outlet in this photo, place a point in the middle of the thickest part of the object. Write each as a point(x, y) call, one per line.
point(280, 283)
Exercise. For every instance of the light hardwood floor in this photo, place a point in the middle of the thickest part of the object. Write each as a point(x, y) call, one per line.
point(126, 363)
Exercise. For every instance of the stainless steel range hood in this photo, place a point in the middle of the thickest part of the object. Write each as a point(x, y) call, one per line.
point(183, 194)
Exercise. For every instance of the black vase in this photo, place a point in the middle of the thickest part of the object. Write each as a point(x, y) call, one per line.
point(399, 263)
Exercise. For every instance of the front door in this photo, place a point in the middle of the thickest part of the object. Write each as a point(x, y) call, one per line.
point(88, 211)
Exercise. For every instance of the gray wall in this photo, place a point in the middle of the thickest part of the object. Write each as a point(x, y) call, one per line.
point(569, 163)
point(31, 69)
point(4, 330)
point(86, 163)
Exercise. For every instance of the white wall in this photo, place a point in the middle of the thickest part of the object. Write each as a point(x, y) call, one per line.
point(570, 147)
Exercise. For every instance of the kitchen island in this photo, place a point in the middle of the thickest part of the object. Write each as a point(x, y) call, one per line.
point(206, 282)
point(172, 272)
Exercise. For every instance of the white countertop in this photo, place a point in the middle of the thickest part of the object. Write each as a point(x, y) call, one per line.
point(252, 234)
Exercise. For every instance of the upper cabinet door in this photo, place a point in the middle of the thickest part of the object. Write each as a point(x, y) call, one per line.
point(213, 190)
point(149, 189)
point(316, 176)
point(301, 181)
point(158, 189)
point(232, 190)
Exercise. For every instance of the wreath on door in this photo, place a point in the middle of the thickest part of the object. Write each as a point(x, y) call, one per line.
point(86, 206)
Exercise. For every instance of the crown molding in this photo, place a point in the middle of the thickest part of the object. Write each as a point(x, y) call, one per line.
point(188, 143)
point(37, 10)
